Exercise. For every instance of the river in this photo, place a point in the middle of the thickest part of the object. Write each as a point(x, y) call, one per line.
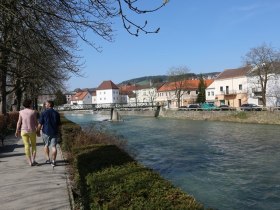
point(224, 165)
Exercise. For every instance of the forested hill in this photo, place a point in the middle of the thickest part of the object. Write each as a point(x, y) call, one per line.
point(146, 80)
point(163, 78)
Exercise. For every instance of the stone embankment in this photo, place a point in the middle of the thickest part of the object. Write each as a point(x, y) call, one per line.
point(261, 117)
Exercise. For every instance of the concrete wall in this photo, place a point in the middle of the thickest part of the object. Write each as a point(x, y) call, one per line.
point(264, 117)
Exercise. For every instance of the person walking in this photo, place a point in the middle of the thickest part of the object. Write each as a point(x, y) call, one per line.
point(26, 127)
point(49, 122)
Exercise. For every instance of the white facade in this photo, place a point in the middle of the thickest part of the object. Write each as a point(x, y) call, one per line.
point(231, 91)
point(272, 91)
point(83, 99)
point(146, 95)
point(169, 99)
point(210, 93)
point(93, 99)
point(108, 96)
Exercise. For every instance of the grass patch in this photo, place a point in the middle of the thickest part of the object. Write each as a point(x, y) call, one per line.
point(240, 115)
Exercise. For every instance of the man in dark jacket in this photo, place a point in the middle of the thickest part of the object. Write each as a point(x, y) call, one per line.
point(49, 122)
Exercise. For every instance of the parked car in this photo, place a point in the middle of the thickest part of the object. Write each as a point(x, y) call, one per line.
point(250, 107)
point(193, 106)
point(225, 107)
point(208, 107)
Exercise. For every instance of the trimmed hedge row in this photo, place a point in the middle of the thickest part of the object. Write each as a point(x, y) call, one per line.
point(106, 177)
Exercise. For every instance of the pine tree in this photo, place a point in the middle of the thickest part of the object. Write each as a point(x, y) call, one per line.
point(201, 98)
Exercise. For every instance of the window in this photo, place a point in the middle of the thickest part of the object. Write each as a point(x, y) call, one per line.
point(212, 93)
point(208, 93)
point(240, 87)
point(221, 88)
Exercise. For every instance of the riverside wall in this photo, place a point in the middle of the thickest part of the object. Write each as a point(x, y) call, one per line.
point(260, 117)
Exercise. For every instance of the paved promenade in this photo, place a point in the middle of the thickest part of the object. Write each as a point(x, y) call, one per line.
point(25, 187)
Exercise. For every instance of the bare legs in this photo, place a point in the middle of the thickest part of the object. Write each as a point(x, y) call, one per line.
point(47, 152)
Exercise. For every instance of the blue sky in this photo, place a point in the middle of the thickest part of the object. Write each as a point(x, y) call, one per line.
point(204, 35)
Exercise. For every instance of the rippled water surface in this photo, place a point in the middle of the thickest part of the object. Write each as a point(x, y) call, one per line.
point(224, 165)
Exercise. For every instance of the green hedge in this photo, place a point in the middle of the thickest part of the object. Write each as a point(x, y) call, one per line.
point(68, 131)
point(106, 177)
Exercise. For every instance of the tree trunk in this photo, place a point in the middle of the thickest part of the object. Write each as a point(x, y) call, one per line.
point(3, 81)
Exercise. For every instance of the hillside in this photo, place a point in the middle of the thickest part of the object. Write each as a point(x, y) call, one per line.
point(163, 78)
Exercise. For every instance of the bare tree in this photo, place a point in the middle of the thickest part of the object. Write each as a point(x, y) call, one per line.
point(178, 76)
point(265, 62)
point(50, 28)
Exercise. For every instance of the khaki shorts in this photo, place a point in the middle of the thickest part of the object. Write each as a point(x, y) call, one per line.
point(50, 140)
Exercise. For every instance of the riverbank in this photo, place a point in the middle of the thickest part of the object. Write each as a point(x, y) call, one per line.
point(257, 117)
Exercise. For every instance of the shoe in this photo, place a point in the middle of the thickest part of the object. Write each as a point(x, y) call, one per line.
point(34, 163)
point(48, 161)
point(53, 163)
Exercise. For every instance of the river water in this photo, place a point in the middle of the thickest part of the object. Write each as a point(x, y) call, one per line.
point(225, 166)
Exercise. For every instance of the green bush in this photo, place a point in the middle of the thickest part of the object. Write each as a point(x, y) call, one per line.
point(110, 179)
point(132, 186)
point(69, 132)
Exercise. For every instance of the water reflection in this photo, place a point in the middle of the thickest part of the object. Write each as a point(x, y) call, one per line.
point(224, 165)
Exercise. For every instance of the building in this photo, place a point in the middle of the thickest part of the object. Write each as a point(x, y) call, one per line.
point(108, 93)
point(230, 87)
point(166, 94)
point(82, 97)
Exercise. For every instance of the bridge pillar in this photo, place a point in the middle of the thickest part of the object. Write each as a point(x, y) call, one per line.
point(157, 111)
point(115, 115)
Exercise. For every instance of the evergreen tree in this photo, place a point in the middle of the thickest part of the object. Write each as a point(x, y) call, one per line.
point(60, 98)
point(201, 98)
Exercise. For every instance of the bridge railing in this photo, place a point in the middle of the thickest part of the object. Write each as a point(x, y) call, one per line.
point(68, 107)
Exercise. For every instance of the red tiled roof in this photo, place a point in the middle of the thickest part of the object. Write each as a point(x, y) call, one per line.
point(230, 73)
point(79, 96)
point(107, 85)
point(186, 85)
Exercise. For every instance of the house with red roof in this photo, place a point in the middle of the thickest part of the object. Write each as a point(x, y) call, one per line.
point(81, 97)
point(166, 94)
point(108, 93)
point(140, 93)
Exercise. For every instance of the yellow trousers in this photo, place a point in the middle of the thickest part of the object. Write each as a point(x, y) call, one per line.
point(29, 139)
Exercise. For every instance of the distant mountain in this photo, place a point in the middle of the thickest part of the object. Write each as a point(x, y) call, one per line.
point(145, 80)
point(163, 78)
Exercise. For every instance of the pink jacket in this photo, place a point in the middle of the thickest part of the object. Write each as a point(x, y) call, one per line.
point(27, 120)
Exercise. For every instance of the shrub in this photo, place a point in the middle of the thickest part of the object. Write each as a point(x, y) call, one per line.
point(8, 123)
point(110, 179)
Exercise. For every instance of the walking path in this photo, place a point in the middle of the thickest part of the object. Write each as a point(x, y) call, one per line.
point(25, 187)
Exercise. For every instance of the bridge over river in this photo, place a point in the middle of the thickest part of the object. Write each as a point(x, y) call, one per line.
point(109, 106)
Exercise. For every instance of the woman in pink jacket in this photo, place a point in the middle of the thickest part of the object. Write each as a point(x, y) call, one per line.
point(26, 127)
